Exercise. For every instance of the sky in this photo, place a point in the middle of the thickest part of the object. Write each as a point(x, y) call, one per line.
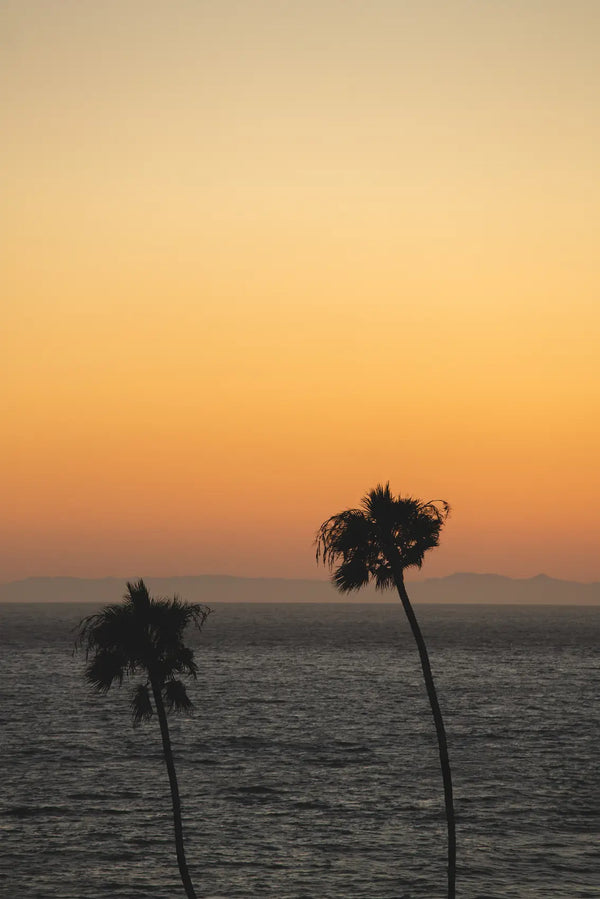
point(260, 256)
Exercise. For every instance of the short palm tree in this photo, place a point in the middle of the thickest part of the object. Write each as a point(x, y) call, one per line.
point(144, 636)
point(377, 542)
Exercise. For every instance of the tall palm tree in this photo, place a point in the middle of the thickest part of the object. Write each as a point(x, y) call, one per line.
point(377, 542)
point(144, 636)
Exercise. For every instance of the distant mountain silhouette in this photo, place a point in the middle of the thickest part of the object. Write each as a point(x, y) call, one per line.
point(208, 588)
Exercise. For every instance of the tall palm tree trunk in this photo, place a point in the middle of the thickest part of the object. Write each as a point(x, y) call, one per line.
point(168, 753)
point(439, 727)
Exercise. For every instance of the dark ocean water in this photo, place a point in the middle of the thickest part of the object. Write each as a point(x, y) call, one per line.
point(310, 767)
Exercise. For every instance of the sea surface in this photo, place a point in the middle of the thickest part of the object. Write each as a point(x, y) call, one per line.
point(309, 767)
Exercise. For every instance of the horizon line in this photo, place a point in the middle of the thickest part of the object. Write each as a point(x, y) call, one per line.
point(540, 575)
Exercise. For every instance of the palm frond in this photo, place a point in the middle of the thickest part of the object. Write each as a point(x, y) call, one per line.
point(112, 628)
point(351, 575)
point(141, 704)
point(384, 578)
point(137, 594)
point(341, 534)
point(104, 669)
point(176, 697)
point(183, 662)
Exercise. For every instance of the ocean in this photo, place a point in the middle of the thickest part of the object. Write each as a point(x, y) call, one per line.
point(309, 767)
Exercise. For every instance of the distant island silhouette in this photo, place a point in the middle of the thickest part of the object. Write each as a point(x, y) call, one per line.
point(454, 588)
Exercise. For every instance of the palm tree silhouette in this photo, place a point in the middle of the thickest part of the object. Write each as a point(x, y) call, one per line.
point(144, 636)
point(377, 542)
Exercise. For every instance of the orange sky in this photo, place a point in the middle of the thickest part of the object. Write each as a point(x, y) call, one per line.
point(260, 256)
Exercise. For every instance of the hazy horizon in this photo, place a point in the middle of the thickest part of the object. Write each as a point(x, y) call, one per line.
point(413, 577)
point(461, 588)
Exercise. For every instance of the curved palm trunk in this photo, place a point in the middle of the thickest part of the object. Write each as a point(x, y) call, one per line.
point(168, 753)
point(439, 727)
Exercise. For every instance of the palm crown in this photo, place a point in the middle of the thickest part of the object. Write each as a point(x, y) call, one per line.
point(142, 635)
point(365, 544)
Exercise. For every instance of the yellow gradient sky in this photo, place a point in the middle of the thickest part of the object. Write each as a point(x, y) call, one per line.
point(260, 255)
